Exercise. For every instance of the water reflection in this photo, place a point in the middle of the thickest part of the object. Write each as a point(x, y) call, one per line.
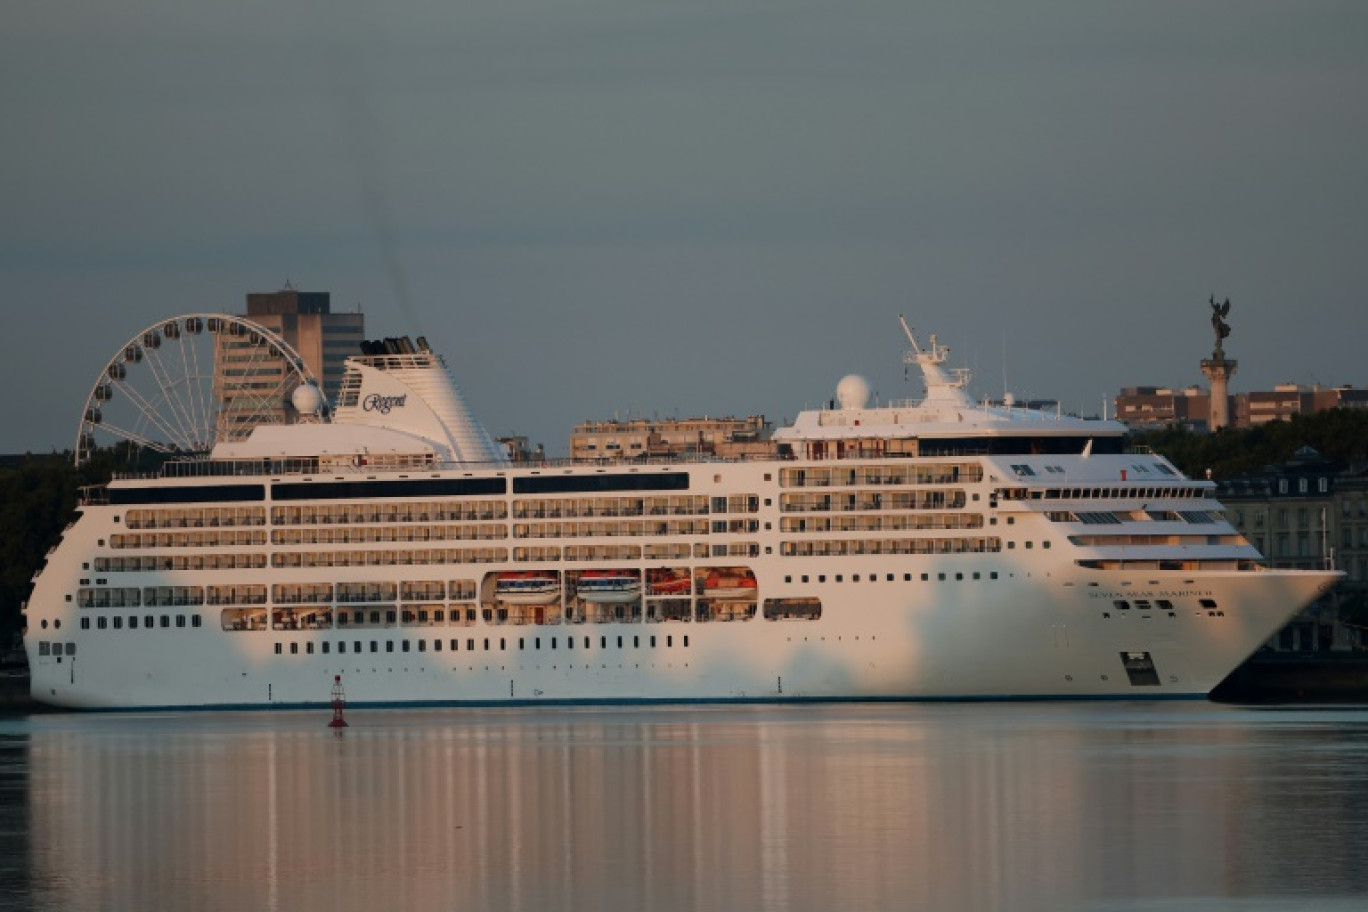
point(821, 807)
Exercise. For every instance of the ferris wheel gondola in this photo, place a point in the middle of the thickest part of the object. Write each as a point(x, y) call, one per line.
point(182, 385)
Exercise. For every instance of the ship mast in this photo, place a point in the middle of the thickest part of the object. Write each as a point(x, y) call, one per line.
point(941, 389)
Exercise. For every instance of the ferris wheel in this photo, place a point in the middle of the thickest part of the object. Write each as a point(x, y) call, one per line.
point(182, 385)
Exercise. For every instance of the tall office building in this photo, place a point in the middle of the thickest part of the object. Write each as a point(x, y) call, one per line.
point(245, 371)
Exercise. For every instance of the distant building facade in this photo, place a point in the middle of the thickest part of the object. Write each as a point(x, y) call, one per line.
point(640, 438)
point(1310, 514)
point(1151, 407)
point(304, 319)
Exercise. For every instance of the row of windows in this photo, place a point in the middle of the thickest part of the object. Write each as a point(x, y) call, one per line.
point(892, 577)
point(471, 644)
point(131, 622)
point(1166, 492)
point(939, 499)
point(679, 505)
point(195, 517)
point(151, 562)
point(1123, 541)
point(151, 596)
point(418, 556)
point(894, 523)
point(890, 546)
point(683, 505)
point(1145, 605)
point(619, 553)
point(637, 529)
point(422, 512)
point(953, 473)
point(215, 539)
point(1113, 518)
point(596, 529)
point(342, 535)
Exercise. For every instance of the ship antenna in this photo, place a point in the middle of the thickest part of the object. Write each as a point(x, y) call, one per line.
point(910, 337)
point(1004, 363)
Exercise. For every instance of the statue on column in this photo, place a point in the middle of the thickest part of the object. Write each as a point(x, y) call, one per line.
point(1218, 323)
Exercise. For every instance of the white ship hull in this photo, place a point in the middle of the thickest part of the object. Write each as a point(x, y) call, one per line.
point(892, 558)
point(1044, 628)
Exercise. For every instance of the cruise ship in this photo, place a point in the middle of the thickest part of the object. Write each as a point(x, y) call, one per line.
point(940, 548)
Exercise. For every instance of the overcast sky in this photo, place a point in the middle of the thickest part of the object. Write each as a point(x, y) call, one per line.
point(640, 207)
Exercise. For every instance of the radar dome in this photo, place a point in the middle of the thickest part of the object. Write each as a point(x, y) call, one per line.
point(853, 392)
point(307, 399)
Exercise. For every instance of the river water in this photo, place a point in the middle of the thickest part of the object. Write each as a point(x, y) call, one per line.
point(1121, 806)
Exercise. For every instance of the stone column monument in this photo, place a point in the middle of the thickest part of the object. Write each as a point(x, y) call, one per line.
point(1218, 369)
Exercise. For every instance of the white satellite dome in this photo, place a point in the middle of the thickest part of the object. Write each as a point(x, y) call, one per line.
point(307, 399)
point(853, 392)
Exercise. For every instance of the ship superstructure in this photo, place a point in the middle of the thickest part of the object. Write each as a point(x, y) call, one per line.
point(909, 550)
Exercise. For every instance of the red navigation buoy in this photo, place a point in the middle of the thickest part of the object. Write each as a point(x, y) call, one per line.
point(339, 700)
